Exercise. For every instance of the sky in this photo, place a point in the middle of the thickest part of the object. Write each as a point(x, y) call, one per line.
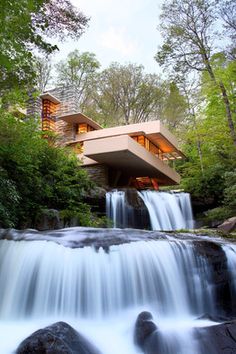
point(124, 31)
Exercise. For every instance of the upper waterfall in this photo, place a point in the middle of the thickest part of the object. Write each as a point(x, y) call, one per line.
point(101, 287)
point(84, 283)
point(167, 211)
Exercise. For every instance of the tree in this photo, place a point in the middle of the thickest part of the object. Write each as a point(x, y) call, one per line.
point(175, 107)
point(125, 94)
point(78, 70)
point(36, 175)
point(26, 26)
point(187, 29)
point(206, 141)
point(227, 13)
point(43, 68)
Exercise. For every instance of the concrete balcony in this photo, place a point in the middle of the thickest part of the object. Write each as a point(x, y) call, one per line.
point(129, 157)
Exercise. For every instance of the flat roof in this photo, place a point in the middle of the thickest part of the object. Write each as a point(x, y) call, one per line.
point(128, 156)
point(153, 130)
point(50, 97)
point(80, 118)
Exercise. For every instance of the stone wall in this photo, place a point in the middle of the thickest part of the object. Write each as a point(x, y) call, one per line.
point(69, 97)
point(99, 174)
point(34, 105)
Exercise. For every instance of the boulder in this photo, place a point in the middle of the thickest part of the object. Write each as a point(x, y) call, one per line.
point(144, 327)
point(146, 334)
point(59, 338)
point(228, 225)
point(219, 339)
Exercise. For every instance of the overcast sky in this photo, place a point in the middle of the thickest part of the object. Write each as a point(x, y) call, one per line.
point(119, 30)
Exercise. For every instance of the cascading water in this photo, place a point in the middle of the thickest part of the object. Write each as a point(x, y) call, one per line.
point(230, 251)
point(83, 282)
point(101, 291)
point(167, 211)
point(115, 206)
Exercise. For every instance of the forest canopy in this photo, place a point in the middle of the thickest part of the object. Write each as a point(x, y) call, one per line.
point(195, 99)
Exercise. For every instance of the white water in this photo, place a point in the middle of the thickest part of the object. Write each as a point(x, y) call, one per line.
point(167, 211)
point(102, 293)
point(115, 206)
point(230, 251)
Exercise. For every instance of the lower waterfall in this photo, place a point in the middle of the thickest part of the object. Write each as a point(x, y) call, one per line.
point(167, 211)
point(101, 291)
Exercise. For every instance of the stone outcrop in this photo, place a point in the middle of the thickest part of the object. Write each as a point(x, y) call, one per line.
point(221, 277)
point(48, 219)
point(137, 215)
point(144, 329)
point(98, 174)
point(219, 339)
point(57, 338)
point(228, 225)
point(146, 334)
point(79, 237)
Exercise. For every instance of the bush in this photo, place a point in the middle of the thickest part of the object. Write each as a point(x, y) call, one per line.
point(36, 175)
point(230, 191)
point(217, 215)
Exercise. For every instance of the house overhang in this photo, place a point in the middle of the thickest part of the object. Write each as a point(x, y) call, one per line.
point(50, 97)
point(80, 118)
point(126, 155)
point(153, 130)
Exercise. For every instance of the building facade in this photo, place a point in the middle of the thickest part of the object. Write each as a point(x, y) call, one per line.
point(139, 155)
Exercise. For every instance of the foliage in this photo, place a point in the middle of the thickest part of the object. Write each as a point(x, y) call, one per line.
point(174, 107)
point(9, 200)
point(207, 79)
point(189, 43)
point(36, 175)
point(186, 27)
point(26, 26)
point(43, 71)
point(82, 215)
point(78, 70)
point(230, 191)
point(228, 206)
point(227, 12)
point(125, 94)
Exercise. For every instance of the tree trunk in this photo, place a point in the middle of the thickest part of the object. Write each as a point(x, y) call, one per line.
point(228, 112)
point(199, 148)
point(225, 99)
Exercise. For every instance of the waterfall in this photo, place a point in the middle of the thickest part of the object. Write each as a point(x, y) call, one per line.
point(230, 251)
point(50, 279)
point(101, 291)
point(167, 211)
point(115, 206)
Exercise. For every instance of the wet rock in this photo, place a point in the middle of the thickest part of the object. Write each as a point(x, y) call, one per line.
point(219, 339)
point(146, 334)
point(48, 219)
point(59, 338)
point(221, 278)
point(228, 225)
point(137, 213)
point(213, 318)
point(144, 327)
point(79, 237)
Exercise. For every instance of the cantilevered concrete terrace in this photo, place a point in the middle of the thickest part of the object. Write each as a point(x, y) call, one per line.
point(124, 152)
point(136, 150)
point(126, 155)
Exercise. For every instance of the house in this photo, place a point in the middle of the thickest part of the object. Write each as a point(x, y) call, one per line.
point(139, 155)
